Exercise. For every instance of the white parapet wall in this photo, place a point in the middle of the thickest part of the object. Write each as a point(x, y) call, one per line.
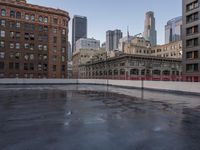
point(193, 87)
point(37, 81)
point(154, 85)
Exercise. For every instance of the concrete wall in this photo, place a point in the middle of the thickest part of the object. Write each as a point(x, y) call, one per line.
point(154, 85)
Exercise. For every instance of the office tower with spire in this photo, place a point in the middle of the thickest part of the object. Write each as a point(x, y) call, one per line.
point(79, 30)
point(150, 33)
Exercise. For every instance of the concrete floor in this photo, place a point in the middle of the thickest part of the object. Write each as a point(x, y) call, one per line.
point(79, 118)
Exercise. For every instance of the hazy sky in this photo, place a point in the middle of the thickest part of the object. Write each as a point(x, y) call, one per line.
point(106, 15)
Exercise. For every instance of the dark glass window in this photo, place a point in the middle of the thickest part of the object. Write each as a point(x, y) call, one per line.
point(1, 65)
point(18, 15)
point(12, 14)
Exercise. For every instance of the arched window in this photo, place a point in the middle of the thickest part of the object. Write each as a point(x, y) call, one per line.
point(3, 12)
point(110, 72)
point(122, 72)
point(32, 17)
point(156, 72)
point(134, 72)
point(46, 19)
point(148, 72)
point(115, 72)
point(40, 19)
point(143, 72)
point(166, 72)
point(18, 15)
point(12, 14)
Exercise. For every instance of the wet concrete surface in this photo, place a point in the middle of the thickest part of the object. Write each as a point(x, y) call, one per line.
point(52, 118)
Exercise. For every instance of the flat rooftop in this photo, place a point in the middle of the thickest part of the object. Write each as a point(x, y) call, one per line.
point(96, 117)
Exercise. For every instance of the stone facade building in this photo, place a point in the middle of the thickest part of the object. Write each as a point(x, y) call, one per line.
point(33, 40)
point(137, 45)
point(133, 67)
point(86, 55)
point(170, 50)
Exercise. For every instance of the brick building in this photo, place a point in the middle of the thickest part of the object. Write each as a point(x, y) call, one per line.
point(33, 40)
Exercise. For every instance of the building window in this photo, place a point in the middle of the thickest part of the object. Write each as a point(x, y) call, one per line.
point(55, 21)
point(12, 45)
point(3, 12)
point(32, 17)
point(192, 67)
point(192, 55)
point(31, 56)
point(192, 17)
point(45, 57)
point(2, 55)
point(40, 47)
point(17, 45)
point(46, 19)
point(26, 46)
point(192, 42)
point(63, 58)
point(11, 55)
point(17, 66)
point(11, 65)
point(54, 58)
point(192, 5)
point(2, 44)
point(27, 16)
point(63, 68)
point(63, 32)
point(32, 47)
point(40, 19)
point(2, 33)
point(25, 66)
point(40, 28)
point(18, 15)
point(192, 30)
point(26, 57)
point(45, 47)
point(17, 55)
point(54, 30)
point(1, 65)
point(39, 67)
point(31, 67)
point(17, 35)
point(12, 34)
point(63, 50)
point(12, 14)
point(32, 36)
point(45, 29)
point(3, 23)
point(18, 25)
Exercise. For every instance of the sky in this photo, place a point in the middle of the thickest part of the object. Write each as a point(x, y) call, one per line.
point(106, 15)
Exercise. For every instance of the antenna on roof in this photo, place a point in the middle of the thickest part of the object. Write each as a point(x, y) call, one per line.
point(128, 36)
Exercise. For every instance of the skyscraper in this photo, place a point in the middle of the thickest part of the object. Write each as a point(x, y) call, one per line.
point(79, 29)
point(191, 40)
point(173, 30)
point(69, 51)
point(112, 39)
point(150, 33)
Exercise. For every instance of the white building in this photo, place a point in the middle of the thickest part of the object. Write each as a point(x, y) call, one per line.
point(87, 43)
